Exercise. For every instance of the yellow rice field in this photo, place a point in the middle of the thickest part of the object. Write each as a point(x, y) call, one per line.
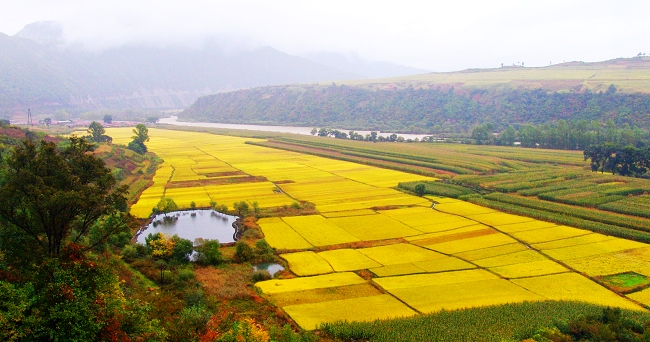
point(572, 286)
point(424, 259)
point(633, 260)
point(345, 259)
point(309, 316)
point(529, 269)
point(549, 234)
point(281, 236)
point(307, 263)
point(319, 231)
point(400, 254)
point(310, 283)
point(428, 299)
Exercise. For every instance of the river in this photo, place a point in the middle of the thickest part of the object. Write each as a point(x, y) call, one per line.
point(173, 120)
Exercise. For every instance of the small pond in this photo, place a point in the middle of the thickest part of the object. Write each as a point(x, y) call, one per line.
point(272, 268)
point(193, 224)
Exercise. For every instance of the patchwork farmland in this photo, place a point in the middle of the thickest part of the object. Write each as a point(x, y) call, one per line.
point(372, 252)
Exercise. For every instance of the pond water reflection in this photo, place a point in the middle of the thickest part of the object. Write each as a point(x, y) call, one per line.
point(193, 224)
point(272, 268)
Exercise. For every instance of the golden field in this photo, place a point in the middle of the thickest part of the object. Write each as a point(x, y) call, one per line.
point(419, 258)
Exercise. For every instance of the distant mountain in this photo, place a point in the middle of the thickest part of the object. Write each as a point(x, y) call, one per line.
point(354, 64)
point(37, 71)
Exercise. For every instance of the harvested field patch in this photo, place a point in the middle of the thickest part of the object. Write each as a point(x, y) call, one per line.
point(282, 299)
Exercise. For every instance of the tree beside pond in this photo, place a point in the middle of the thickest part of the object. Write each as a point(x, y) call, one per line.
point(166, 205)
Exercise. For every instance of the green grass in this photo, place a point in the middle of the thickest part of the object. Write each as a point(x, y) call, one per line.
point(498, 323)
point(625, 282)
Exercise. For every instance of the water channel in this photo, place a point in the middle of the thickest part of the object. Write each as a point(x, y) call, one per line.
point(173, 120)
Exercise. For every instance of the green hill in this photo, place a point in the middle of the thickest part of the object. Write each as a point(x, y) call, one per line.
point(618, 90)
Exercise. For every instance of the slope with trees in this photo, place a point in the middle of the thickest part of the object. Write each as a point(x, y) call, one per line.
point(417, 110)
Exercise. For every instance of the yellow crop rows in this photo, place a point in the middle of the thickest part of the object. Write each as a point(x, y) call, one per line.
point(442, 265)
point(427, 299)
point(572, 286)
point(523, 226)
point(318, 231)
point(549, 234)
point(310, 283)
point(529, 269)
point(400, 254)
point(374, 227)
point(510, 259)
point(309, 316)
point(449, 256)
point(634, 260)
point(492, 251)
point(307, 263)
point(345, 259)
point(588, 250)
point(280, 235)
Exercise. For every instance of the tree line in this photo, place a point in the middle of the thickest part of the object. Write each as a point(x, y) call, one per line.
point(568, 135)
point(626, 160)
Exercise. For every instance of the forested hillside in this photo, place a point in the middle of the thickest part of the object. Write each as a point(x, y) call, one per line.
point(421, 110)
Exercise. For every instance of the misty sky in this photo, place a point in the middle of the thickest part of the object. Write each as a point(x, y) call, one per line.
point(433, 35)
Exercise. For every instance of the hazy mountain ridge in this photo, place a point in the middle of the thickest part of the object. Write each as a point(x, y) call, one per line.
point(37, 71)
point(354, 64)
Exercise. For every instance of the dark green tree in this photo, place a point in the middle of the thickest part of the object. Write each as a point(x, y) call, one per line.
point(108, 119)
point(242, 208)
point(55, 205)
point(208, 252)
point(243, 252)
point(420, 189)
point(182, 250)
point(53, 197)
point(137, 147)
point(97, 131)
point(481, 135)
point(141, 135)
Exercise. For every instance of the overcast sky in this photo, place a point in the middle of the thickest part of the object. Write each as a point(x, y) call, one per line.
point(433, 35)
